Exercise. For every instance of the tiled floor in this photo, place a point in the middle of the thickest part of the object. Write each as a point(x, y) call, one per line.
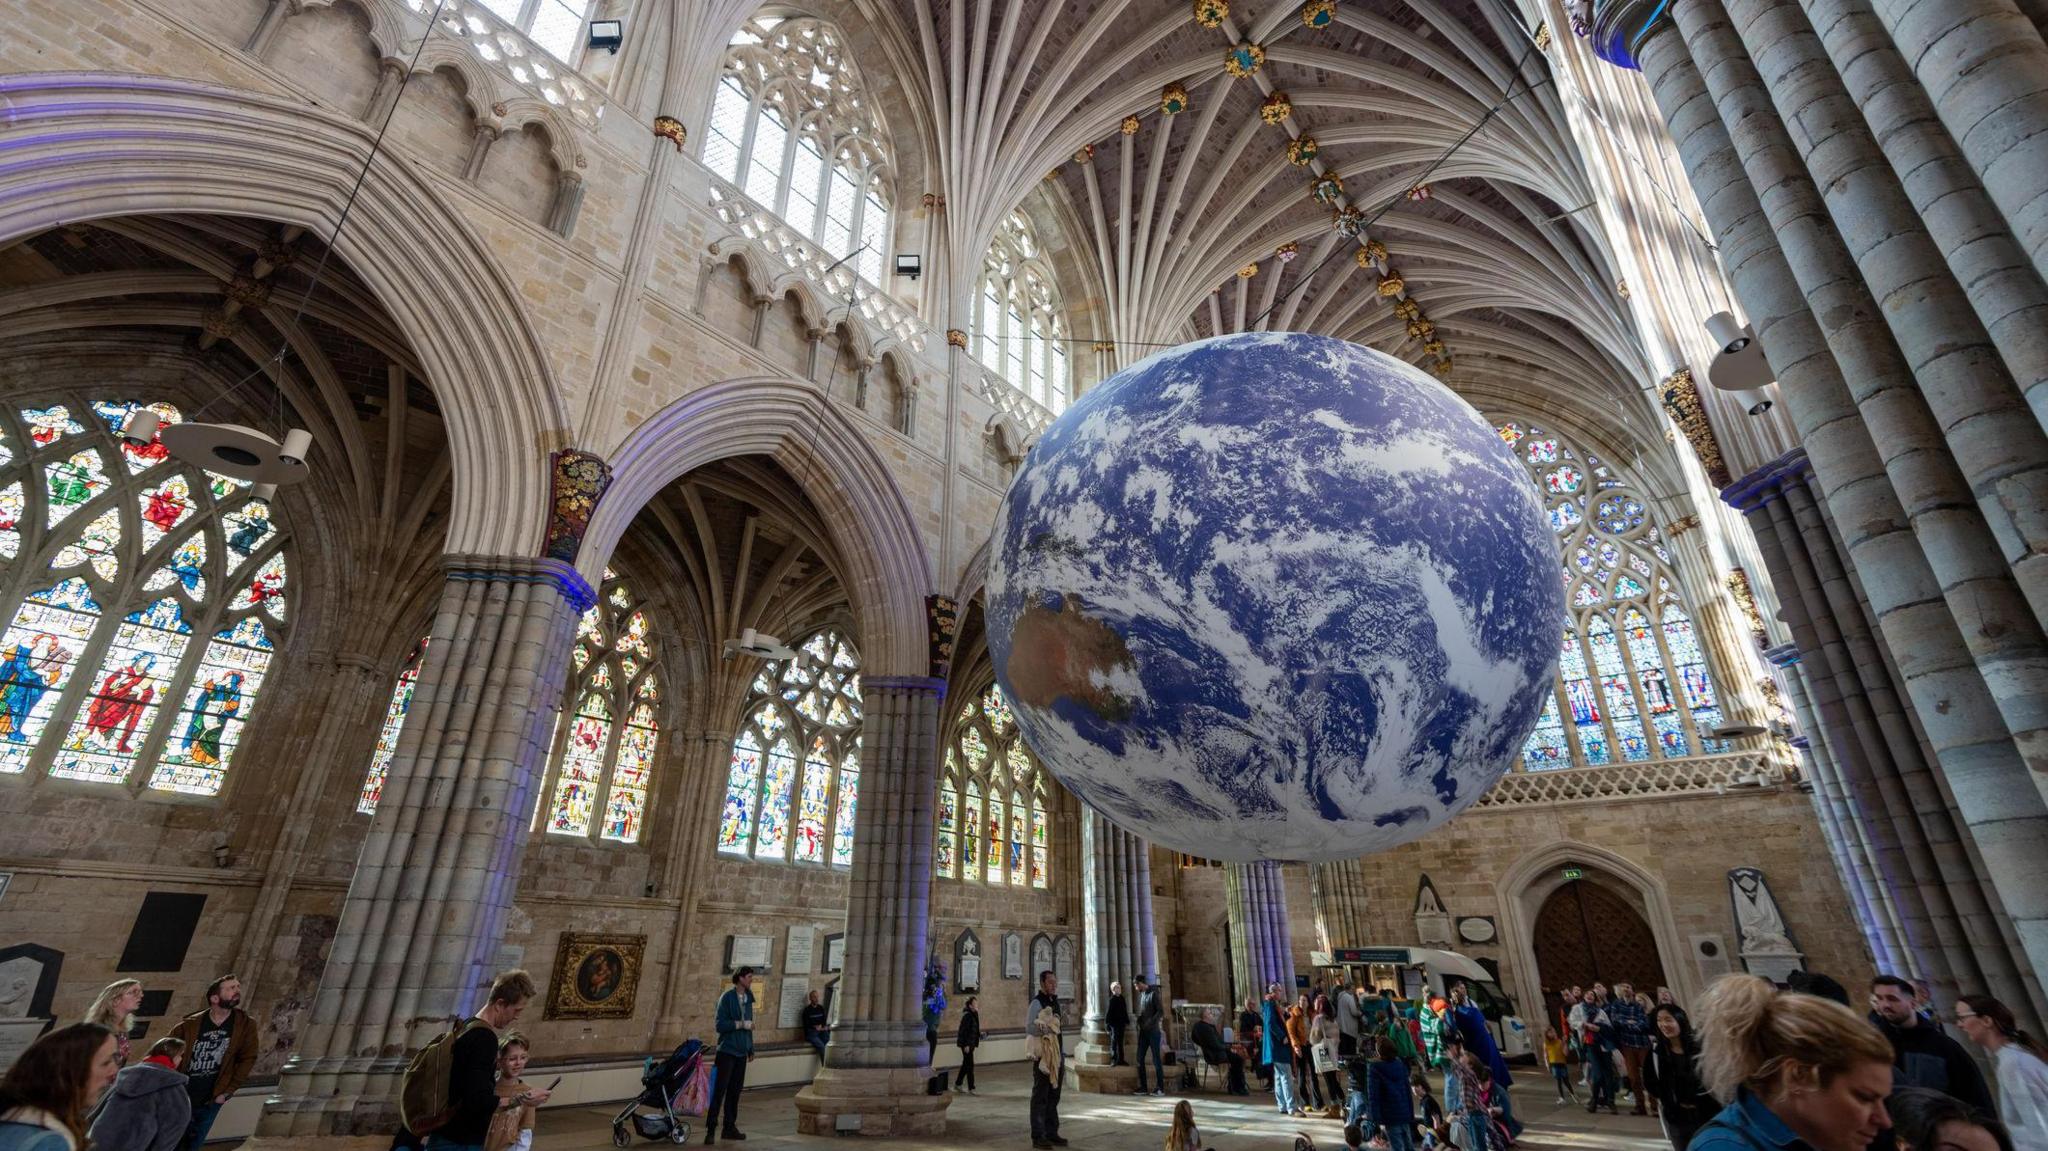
point(995, 1118)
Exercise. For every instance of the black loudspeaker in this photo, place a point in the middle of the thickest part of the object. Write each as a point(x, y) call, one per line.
point(163, 931)
point(936, 1085)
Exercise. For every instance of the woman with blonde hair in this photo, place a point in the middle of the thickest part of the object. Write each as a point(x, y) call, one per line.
point(1183, 1136)
point(114, 1009)
point(1800, 1073)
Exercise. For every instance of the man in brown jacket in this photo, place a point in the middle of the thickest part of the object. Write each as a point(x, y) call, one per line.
point(220, 1050)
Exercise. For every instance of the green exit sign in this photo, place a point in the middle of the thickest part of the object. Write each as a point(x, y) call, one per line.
point(1571, 873)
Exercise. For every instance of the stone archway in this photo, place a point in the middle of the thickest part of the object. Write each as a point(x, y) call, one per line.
point(83, 146)
point(1525, 889)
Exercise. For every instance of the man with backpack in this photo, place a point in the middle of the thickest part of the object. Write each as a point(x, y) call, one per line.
point(450, 1091)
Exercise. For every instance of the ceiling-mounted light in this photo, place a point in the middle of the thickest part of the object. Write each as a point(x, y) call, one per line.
point(1756, 401)
point(607, 34)
point(238, 452)
point(139, 429)
point(758, 644)
point(1740, 366)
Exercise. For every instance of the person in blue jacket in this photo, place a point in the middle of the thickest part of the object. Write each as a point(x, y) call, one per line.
point(735, 1050)
point(1389, 1099)
point(1803, 1073)
point(1478, 1035)
point(1277, 1051)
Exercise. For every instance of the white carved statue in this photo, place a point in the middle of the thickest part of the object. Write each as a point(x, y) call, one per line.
point(1757, 919)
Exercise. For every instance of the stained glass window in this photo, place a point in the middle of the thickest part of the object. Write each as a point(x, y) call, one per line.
point(792, 80)
point(781, 808)
point(120, 661)
point(949, 822)
point(387, 736)
point(603, 760)
point(1632, 680)
point(1001, 840)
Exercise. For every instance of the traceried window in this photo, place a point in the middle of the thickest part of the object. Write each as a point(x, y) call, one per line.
point(1632, 681)
point(793, 127)
point(555, 25)
point(147, 601)
point(1020, 334)
point(992, 809)
point(387, 736)
point(793, 785)
point(603, 760)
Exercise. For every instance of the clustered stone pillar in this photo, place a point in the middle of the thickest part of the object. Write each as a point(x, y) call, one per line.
point(1117, 945)
point(1261, 948)
point(1337, 893)
point(418, 938)
point(1906, 540)
point(877, 1063)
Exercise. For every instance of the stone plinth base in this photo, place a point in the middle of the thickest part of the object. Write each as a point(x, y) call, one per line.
point(1101, 1078)
point(888, 1101)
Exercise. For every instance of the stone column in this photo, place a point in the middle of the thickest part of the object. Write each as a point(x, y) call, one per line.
point(420, 929)
point(1117, 945)
point(1261, 948)
point(876, 1064)
point(1337, 891)
point(1976, 753)
point(1997, 446)
point(1985, 67)
point(2010, 298)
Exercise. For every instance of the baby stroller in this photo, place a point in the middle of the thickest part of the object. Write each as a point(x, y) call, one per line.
point(671, 1090)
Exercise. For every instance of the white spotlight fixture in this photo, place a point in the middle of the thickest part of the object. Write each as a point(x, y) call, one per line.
point(1732, 337)
point(758, 644)
point(1756, 401)
point(139, 429)
point(239, 452)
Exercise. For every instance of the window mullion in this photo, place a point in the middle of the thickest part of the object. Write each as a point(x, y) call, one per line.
point(601, 787)
point(1673, 676)
point(753, 120)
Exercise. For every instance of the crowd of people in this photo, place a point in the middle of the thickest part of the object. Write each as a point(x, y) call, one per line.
point(1754, 1068)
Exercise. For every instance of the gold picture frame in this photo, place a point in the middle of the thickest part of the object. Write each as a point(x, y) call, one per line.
point(596, 976)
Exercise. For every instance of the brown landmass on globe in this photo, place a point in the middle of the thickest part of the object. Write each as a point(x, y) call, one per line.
point(1056, 653)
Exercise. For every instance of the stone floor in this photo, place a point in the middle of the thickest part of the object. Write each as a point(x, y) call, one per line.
point(995, 1118)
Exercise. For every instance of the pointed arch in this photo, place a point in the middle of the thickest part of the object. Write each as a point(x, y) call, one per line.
point(1523, 887)
point(178, 146)
point(888, 571)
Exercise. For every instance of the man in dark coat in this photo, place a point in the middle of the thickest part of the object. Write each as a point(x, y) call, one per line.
point(1922, 1056)
point(1151, 1022)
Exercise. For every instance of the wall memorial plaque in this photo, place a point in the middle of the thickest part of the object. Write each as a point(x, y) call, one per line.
point(1013, 955)
point(835, 952)
point(789, 1005)
point(967, 961)
point(748, 951)
point(800, 951)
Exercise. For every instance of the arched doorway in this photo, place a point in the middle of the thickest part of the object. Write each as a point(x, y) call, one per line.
point(1587, 933)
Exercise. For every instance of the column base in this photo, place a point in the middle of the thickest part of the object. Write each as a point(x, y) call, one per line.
point(1101, 1078)
point(881, 1100)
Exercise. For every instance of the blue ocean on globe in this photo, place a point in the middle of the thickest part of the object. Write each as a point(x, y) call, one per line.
point(1274, 596)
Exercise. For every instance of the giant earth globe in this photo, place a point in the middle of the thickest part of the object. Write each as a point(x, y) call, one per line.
point(1274, 596)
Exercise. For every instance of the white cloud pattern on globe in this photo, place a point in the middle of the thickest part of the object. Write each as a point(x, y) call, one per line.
point(1274, 596)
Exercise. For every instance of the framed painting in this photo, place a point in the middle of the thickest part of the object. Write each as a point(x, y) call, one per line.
point(596, 976)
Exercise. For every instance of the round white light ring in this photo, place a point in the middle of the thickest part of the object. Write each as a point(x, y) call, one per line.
point(232, 450)
point(1743, 371)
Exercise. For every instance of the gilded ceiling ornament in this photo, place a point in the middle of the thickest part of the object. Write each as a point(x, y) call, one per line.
point(1130, 126)
point(671, 129)
point(1621, 288)
point(1421, 329)
point(247, 291)
point(1319, 13)
point(1408, 310)
point(1391, 284)
point(1364, 259)
point(1327, 189)
point(931, 200)
point(1276, 109)
point(1682, 404)
point(1543, 36)
point(1375, 250)
point(1287, 251)
point(1173, 99)
point(1419, 192)
point(1434, 347)
point(1442, 367)
point(1745, 598)
point(1350, 222)
point(956, 338)
point(1243, 59)
point(1105, 346)
point(1212, 13)
point(1301, 150)
point(1052, 175)
point(1086, 154)
point(1248, 271)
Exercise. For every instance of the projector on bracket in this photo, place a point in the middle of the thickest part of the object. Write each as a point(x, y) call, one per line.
point(760, 645)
